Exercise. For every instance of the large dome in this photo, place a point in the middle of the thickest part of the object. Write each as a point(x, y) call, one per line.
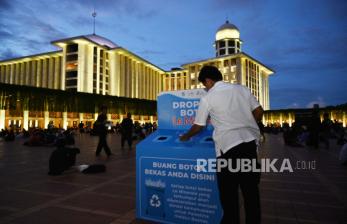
point(227, 31)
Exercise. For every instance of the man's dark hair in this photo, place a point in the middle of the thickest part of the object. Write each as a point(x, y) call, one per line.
point(210, 72)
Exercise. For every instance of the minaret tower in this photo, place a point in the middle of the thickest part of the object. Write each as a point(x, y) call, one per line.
point(227, 40)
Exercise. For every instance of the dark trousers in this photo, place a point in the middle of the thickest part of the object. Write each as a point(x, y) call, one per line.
point(102, 145)
point(128, 138)
point(314, 139)
point(229, 183)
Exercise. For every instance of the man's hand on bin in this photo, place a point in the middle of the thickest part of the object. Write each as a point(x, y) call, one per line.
point(184, 138)
point(195, 129)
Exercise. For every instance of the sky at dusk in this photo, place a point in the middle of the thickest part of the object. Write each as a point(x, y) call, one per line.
point(304, 41)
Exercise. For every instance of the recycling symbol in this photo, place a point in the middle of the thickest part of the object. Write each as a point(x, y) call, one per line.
point(154, 201)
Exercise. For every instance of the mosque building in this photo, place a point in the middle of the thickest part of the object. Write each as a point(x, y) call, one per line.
point(91, 66)
point(236, 67)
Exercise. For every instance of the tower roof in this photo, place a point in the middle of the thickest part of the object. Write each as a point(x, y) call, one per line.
point(99, 40)
point(228, 25)
point(227, 31)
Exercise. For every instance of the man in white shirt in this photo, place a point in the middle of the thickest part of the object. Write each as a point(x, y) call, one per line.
point(234, 113)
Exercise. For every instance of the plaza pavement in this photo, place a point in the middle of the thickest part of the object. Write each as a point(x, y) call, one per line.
point(29, 195)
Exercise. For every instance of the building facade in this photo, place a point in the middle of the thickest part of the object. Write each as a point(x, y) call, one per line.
point(235, 65)
point(93, 64)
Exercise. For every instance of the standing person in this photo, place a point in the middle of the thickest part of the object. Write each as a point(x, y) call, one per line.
point(314, 128)
point(81, 127)
point(101, 130)
point(326, 130)
point(234, 113)
point(261, 129)
point(127, 127)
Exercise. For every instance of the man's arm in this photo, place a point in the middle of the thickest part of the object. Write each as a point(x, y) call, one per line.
point(258, 113)
point(195, 129)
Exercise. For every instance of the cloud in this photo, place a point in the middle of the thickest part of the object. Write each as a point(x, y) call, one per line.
point(4, 33)
point(280, 96)
point(29, 27)
point(134, 8)
point(305, 66)
point(239, 4)
point(151, 52)
point(168, 65)
point(8, 53)
point(293, 105)
point(25, 31)
point(5, 5)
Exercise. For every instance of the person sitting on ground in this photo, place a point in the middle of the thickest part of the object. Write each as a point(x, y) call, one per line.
point(63, 157)
point(10, 136)
point(36, 139)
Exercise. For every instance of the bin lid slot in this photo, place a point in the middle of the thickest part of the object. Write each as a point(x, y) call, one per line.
point(208, 139)
point(162, 138)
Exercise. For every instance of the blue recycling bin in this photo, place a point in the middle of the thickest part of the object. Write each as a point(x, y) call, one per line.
point(170, 187)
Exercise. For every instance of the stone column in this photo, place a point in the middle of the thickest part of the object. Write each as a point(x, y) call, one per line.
point(290, 119)
point(2, 119)
point(81, 117)
point(96, 116)
point(117, 75)
point(46, 119)
point(44, 74)
point(151, 119)
point(65, 120)
point(26, 119)
point(137, 80)
point(38, 74)
point(56, 73)
point(240, 78)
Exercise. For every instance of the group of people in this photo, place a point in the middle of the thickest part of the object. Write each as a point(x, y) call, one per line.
point(314, 133)
point(127, 128)
point(8, 135)
point(139, 131)
point(36, 137)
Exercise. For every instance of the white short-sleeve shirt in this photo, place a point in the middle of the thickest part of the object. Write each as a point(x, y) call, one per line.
point(230, 109)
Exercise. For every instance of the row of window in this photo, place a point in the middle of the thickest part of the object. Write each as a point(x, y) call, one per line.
point(72, 48)
point(228, 43)
point(175, 82)
point(227, 51)
point(71, 67)
point(252, 77)
point(41, 73)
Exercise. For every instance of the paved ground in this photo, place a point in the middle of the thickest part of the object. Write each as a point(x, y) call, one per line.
point(29, 195)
